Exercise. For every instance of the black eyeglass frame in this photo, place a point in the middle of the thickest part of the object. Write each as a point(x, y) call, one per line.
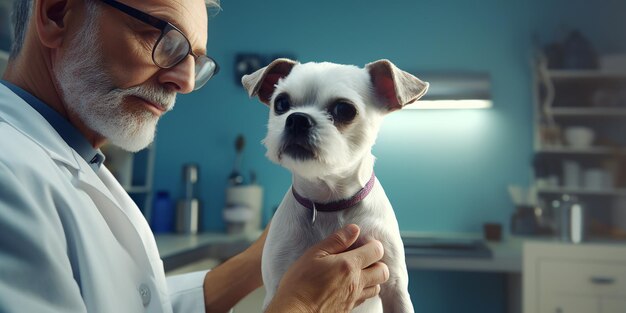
point(164, 27)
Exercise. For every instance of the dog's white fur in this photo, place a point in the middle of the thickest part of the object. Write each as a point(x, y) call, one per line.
point(342, 164)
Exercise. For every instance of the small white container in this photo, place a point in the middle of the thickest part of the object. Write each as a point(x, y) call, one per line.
point(251, 197)
point(236, 218)
point(579, 137)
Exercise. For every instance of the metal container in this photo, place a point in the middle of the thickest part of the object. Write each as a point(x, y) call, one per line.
point(187, 216)
point(188, 208)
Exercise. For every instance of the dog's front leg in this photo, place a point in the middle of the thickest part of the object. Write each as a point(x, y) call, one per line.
point(395, 299)
point(394, 293)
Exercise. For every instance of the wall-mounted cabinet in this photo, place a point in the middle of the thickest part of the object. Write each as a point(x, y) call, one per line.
point(580, 143)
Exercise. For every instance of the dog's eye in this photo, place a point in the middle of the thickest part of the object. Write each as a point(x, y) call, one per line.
point(282, 103)
point(342, 111)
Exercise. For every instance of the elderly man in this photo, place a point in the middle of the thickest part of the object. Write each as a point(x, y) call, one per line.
point(83, 72)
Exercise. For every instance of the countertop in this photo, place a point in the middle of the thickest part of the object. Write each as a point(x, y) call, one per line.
point(178, 250)
point(506, 255)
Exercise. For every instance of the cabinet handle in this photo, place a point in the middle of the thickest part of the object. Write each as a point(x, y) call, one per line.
point(602, 280)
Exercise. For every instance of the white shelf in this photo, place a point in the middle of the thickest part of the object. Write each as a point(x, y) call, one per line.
point(585, 74)
point(600, 151)
point(589, 112)
point(582, 191)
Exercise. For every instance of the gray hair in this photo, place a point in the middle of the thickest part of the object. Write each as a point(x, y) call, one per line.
point(19, 18)
point(21, 15)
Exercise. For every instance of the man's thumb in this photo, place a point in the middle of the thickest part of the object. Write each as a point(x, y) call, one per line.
point(338, 241)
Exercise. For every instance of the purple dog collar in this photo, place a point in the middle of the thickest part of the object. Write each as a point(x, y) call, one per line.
point(335, 205)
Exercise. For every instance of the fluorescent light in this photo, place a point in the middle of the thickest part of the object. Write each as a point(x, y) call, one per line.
point(450, 104)
point(455, 90)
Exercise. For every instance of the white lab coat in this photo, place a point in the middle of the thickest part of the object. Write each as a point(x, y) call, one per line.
point(72, 240)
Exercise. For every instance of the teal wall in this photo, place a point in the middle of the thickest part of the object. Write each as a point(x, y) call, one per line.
point(454, 164)
point(442, 170)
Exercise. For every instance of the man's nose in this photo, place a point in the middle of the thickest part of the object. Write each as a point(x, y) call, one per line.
point(180, 78)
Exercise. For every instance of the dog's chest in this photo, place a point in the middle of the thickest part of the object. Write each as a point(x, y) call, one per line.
point(293, 231)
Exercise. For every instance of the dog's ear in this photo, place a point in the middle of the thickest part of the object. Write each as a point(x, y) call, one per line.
point(263, 82)
point(396, 88)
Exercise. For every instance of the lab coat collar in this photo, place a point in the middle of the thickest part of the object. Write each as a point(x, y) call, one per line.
point(19, 114)
point(70, 134)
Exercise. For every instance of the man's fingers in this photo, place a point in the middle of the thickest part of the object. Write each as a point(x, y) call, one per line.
point(367, 293)
point(374, 275)
point(339, 241)
point(367, 254)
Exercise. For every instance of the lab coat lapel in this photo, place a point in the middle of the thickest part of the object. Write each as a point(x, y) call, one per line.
point(131, 210)
point(121, 214)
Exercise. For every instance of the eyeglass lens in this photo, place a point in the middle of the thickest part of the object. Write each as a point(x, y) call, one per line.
point(205, 69)
point(174, 47)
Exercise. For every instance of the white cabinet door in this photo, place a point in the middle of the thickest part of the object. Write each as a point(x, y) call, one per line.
point(613, 305)
point(569, 304)
point(566, 278)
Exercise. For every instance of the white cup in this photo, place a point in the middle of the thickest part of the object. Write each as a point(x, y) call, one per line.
point(579, 136)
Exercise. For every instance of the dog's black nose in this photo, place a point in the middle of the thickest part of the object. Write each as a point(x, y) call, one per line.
point(299, 123)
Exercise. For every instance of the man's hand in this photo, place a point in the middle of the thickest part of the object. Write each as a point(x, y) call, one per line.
point(327, 278)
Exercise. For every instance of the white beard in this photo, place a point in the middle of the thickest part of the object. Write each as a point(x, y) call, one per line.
point(89, 93)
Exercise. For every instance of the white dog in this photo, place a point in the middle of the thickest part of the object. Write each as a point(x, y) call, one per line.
point(323, 121)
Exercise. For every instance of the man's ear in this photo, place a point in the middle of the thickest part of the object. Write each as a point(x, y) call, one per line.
point(396, 88)
point(263, 81)
point(51, 19)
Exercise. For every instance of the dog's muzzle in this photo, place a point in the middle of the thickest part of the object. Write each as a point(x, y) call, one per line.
point(299, 124)
point(297, 140)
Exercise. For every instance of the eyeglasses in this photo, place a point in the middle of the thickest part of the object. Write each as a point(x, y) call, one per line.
point(172, 47)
